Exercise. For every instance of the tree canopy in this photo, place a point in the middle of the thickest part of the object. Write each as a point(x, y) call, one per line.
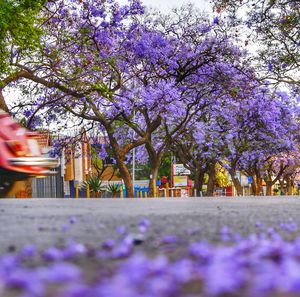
point(19, 29)
point(19, 26)
point(176, 82)
point(275, 28)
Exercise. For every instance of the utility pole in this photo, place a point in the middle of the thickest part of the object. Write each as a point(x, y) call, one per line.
point(133, 155)
point(133, 166)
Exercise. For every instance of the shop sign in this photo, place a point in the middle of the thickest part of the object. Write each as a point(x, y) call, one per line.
point(180, 181)
point(179, 169)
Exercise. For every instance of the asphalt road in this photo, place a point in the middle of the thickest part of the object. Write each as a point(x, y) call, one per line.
point(46, 222)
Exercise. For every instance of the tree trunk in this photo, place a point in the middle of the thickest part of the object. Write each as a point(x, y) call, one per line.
point(211, 179)
point(289, 183)
point(259, 189)
point(236, 183)
point(199, 179)
point(257, 183)
point(155, 161)
point(154, 174)
point(124, 172)
point(269, 188)
point(254, 184)
point(120, 159)
point(282, 190)
point(3, 105)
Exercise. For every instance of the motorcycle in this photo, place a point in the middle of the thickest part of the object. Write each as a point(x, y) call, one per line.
point(20, 155)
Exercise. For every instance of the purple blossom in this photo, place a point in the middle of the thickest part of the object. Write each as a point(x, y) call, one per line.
point(201, 251)
point(225, 233)
point(28, 251)
point(97, 12)
point(65, 228)
point(108, 244)
point(121, 230)
point(183, 271)
point(60, 273)
point(216, 21)
point(53, 254)
point(28, 281)
point(27, 113)
point(193, 231)
point(258, 225)
point(74, 249)
point(170, 239)
point(123, 250)
point(9, 262)
point(255, 265)
point(77, 290)
point(270, 66)
point(144, 224)
point(73, 220)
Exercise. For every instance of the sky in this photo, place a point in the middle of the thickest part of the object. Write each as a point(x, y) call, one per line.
point(165, 5)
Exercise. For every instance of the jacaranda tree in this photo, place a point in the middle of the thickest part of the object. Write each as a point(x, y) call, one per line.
point(274, 28)
point(142, 81)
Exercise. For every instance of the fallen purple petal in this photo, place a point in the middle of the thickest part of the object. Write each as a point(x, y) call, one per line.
point(73, 220)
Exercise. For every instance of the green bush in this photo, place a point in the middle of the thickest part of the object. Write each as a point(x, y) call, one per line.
point(113, 188)
point(95, 185)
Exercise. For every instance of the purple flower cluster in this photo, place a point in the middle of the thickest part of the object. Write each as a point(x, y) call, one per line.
point(264, 263)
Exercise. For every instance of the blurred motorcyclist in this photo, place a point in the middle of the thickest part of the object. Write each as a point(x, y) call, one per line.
point(20, 156)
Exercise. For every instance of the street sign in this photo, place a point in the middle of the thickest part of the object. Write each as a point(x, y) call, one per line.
point(250, 180)
point(179, 169)
point(180, 181)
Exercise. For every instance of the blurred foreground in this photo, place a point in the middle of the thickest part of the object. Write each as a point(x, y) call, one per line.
point(20, 156)
point(150, 247)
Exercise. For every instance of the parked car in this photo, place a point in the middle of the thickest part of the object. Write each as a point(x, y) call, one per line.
point(20, 155)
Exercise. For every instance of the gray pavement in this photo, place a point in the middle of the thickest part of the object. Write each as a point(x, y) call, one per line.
point(46, 222)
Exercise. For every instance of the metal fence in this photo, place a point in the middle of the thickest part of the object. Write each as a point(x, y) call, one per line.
point(48, 187)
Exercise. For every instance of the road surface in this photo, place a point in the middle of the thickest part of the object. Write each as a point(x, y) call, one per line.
point(47, 222)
